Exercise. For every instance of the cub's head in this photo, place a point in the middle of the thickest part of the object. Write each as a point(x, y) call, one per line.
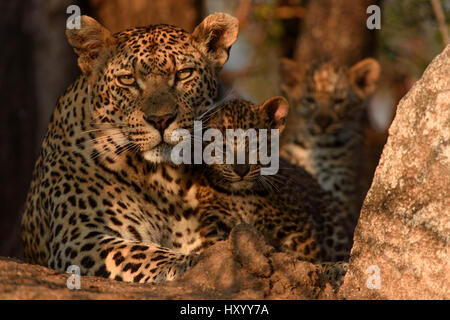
point(247, 132)
point(327, 98)
point(146, 82)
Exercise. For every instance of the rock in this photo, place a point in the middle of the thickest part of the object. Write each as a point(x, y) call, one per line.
point(243, 267)
point(404, 227)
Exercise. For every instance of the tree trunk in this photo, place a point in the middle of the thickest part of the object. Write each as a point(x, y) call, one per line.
point(36, 65)
point(335, 29)
point(17, 116)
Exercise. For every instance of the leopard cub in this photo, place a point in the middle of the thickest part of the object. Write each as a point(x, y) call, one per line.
point(289, 208)
point(326, 126)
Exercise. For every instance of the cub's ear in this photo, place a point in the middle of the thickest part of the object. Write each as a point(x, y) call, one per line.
point(91, 42)
point(290, 75)
point(364, 75)
point(215, 35)
point(274, 111)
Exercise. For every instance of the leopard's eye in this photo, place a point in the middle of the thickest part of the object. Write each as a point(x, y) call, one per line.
point(338, 101)
point(126, 80)
point(184, 74)
point(310, 100)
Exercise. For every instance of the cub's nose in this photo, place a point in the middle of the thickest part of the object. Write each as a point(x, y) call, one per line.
point(241, 169)
point(161, 122)
point(323, 121)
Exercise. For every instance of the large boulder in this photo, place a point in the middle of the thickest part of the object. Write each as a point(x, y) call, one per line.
point(402, 242)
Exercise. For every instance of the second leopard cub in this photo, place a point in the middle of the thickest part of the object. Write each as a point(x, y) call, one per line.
point(326, 126)
point(289, 208)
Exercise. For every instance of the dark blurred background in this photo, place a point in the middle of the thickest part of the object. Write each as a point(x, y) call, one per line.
point(37, 64)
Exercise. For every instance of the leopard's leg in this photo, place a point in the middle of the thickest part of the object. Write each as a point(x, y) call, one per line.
point(112, 257)
point(302, 244)
point(295, 235)
point(216, 223)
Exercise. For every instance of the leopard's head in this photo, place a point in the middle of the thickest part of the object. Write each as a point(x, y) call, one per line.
point(239, 123)
point(327, 98)
point(146, 82)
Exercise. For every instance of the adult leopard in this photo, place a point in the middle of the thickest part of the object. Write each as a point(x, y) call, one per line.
point(103, 195)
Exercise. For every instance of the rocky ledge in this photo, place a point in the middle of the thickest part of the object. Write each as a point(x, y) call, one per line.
point(243, 267)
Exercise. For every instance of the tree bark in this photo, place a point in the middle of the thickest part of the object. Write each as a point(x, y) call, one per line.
point(37, 64)
point(335, 29)
point(18, 125)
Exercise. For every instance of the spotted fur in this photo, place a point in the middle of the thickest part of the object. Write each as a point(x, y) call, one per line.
point(289, 208)
point(325, 128)
point(332, 273)
point(103, 195)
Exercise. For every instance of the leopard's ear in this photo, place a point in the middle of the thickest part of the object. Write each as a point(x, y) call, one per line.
point(364, 75)
point(274, 111)
point(215, 35)
point(91, 42)
point(290, 75)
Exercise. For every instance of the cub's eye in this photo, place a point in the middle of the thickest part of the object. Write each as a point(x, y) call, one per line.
point(126, 80)
point(310, 100)
point(338, 101)
point(183, 74)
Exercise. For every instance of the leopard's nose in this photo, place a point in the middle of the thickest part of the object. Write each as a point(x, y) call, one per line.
point(323, 121)
point(241, 169)
point(161, 122)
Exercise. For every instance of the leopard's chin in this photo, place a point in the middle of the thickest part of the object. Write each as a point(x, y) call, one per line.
point(159, 154)
point(240, 185)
